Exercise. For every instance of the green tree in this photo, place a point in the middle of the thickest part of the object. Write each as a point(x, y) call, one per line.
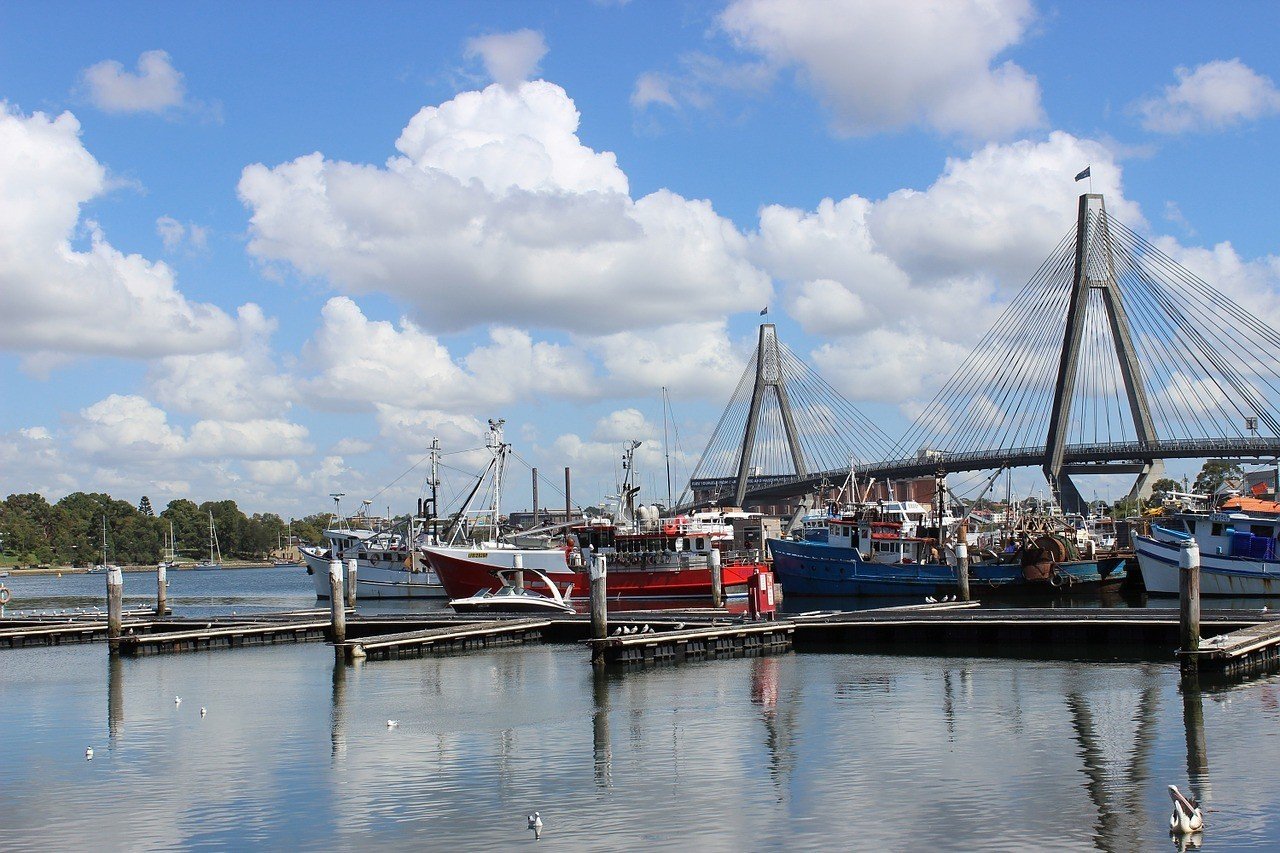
point(1164, 484)
point(1214, 473)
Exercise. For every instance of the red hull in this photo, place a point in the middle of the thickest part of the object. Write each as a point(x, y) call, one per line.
point(463, 578)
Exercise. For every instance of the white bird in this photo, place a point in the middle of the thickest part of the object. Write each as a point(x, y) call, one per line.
point(1186, 817)
point(177, 700)
point(203, 712)
point(679, 626)
point(391, 724)
point(952, 598)
point(929, 599)
point(88, 754)
point(535, 823)
point(617, 632)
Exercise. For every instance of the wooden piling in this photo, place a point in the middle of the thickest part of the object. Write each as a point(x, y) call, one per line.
point(115, 604)
point(717, 579)
point(1189, 601)
point(351, 582)
point(962, 560)
point(162, 588)
point(337, 605)
point(599, 606)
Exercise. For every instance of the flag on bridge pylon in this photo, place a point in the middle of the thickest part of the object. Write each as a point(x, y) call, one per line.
point(764, 310)
point(1084, 174)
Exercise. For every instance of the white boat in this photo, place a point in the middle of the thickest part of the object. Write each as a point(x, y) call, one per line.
point(389, 563)
point(214, 549)
point(1237, 551)
point(514, 597)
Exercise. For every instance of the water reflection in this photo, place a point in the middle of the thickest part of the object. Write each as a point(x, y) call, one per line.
point(338, 718)
point(779, 717)
point(1193, 722)
point(115, 698)
point(601, 742)
point(1117, 792)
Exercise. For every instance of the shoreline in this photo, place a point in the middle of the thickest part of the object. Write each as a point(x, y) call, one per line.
point(79, 570)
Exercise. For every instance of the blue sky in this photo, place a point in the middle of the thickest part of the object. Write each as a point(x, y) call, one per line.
point(382, 319)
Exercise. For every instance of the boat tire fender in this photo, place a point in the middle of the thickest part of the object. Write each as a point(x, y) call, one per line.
point(4, 595)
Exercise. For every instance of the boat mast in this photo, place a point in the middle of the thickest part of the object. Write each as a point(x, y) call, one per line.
point(104, 539)
point(494, 443)
point(666, 449)
point(435, 484)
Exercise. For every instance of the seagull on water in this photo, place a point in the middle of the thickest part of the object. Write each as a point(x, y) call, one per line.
point(391, 724)
point(177, 700)
point(535, 823)
point(88, 754)
point(1186, 817)
point(203, 712)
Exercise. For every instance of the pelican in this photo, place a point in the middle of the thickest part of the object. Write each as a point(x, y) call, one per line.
point(1186, 817)
point(535, 823)
point(88, 754)
point(391, 724)
point(203, 712)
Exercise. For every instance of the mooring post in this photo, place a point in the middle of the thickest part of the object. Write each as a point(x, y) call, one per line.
point(351, 582)
point(962, 560)
point(1189, 602)
point(517, 563)
point(162, 588)
point(717, 579)
point(337, 606)
point(568, 501)
point(115, 603)
point(599, 606)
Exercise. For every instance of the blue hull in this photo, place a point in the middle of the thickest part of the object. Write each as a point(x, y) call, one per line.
point(820, 569)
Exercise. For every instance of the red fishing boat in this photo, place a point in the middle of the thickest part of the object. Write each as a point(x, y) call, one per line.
point(647, 557)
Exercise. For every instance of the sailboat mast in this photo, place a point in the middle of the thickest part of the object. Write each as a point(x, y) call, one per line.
point(435, 483)
point(104, 539)
point(666, 448)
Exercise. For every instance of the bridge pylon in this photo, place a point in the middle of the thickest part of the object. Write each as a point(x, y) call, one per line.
point(1095, 271)
point(768, 378)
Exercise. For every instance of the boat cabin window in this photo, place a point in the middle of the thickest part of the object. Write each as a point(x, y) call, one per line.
point(1216, 530)
point(700, 543)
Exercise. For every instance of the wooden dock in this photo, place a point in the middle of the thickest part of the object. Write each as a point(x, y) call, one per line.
point(705, 641)
point(1238, 653)
point(449, 638)
point(223, 635)
point(1029, 631)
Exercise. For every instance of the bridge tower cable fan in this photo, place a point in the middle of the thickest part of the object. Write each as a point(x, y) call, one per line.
point(1095, 271)
point(768, 378)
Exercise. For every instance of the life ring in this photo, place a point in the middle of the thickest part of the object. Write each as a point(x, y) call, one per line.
point(4, 595)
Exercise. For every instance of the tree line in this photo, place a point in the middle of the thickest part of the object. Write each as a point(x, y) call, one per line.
point(70, 532)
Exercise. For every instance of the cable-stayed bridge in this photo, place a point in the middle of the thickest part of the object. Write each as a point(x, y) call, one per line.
point(1111, 359)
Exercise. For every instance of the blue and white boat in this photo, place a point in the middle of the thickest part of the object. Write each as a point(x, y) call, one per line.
point(867, 557)
point(1237, 550)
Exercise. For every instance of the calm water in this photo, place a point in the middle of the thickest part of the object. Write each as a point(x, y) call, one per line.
point(799, 751)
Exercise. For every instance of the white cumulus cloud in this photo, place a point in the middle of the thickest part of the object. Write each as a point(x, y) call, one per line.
point(494, 211)
point(509, 58)
point(1212, 96)
point(883, 65)
point(57, 301)
point(153, 87)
